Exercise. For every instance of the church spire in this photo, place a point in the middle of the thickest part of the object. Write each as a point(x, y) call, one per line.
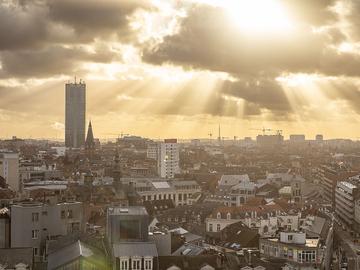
point(89, 142)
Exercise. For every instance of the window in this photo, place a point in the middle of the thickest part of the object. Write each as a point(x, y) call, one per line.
point(136, 264)
point(35, 234)
point(218, 227)
point(148, 264)
point(218, 216)
point(35, 251)
point(130, 229)
point(70, 214)
point(228, 216)
point(62, 214)
point(290, 237)
point(210, 227)
point(44, 213)
point(124, 264)
point(35, 217)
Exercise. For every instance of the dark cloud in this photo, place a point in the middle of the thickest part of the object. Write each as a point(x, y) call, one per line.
point(345, 90)
point(22, 26)
point(265, 93)
point(37, 23)
point(93, 18)
point(53, 60)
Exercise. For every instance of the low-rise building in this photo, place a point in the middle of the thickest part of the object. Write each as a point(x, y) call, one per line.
point(298, 249)
point(151, 189)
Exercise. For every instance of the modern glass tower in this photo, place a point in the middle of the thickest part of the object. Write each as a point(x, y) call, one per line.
point(75, 108)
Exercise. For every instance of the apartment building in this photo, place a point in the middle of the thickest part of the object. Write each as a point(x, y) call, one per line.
point(9, 169)
point(127, 235)
point(233, 190)
point(33, 223)
point(346, 193)
point(329, 175)
point(300, 251)
point(168, 158)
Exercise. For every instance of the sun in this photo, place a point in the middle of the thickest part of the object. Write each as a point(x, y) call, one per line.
point(259, 16)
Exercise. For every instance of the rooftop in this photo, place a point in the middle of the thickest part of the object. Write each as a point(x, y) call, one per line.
point(131, 210)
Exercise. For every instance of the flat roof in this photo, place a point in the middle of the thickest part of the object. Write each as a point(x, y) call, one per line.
point(131, 210)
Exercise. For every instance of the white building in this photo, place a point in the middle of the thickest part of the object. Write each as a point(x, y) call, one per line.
point(300, 251)
point(168, 158)
point(181, 192)
point(233, 190)
point(346, 193)
point(9, 169)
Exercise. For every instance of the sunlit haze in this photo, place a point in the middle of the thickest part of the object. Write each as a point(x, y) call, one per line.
point(183, 66)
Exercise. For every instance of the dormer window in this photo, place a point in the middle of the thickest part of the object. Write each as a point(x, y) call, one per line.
point(218, 216)
point(228, 216)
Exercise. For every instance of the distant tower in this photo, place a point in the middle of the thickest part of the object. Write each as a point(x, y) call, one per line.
point(75, 108)
point(89, 142)
point(117, 170)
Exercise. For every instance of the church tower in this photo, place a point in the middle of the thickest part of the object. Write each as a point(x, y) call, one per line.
point(89, 142)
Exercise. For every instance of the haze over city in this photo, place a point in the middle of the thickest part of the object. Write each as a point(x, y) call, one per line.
point(183, 66)
point(179, 135)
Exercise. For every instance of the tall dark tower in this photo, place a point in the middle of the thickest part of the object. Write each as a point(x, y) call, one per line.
point(75, 108)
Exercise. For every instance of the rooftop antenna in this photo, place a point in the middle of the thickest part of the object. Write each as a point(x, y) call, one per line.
point(219, 138)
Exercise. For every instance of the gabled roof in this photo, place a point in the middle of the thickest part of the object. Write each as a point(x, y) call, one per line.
point(231, 180)
point(72, 252)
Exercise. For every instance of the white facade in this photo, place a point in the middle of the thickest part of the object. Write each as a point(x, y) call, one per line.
point(267, 226)
point(179, 191)
point(168, 158)
point(345, 201)
point(9, 169)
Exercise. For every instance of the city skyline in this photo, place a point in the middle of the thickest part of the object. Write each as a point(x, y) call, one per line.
point(167, 63)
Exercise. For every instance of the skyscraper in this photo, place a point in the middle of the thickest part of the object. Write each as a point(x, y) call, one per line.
point(75, 95)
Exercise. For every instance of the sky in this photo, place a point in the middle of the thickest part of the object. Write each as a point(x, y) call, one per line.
point(179, 68)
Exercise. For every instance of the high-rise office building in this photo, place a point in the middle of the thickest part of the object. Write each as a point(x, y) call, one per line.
point(168, 158)
point(75, 108)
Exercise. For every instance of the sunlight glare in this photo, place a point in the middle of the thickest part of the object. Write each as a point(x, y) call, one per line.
point(259, 16)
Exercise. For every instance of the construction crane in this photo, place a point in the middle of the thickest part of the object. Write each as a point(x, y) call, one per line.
point(264, 130)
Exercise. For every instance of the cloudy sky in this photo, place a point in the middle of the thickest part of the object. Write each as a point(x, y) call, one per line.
point(178, 68)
